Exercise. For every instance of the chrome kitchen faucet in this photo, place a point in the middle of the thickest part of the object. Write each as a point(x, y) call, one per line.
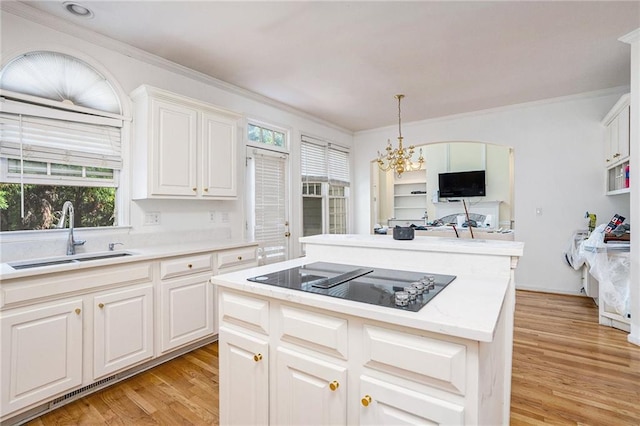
point(67, 208)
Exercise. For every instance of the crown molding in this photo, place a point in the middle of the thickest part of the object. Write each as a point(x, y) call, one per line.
point(619, 90)
point(632, 37)
point(32, 14)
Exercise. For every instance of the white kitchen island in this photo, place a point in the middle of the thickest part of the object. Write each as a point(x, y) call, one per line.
point(292, 357)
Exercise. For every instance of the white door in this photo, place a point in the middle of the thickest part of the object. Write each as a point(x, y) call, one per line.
point(41, 353)
point(384, 403)
point(187, 311)
point(244, 379)
point(309, 390)
point(268, 204)
point(123, 329)
point(174, 149)
point(218, 156)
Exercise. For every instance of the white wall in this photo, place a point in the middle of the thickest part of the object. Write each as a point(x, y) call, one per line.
point(20, 35)
point(559, 167)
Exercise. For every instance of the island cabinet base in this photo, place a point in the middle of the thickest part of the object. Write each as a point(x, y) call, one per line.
point(284, 361)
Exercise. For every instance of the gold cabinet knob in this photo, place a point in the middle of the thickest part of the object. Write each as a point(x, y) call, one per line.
point(334, 385)
point(100, 305)
point(194, 189)
point(239, 257)
point(189, 266)
point(287, 234)
point(257, 357)
point(78, 311)
point(366, 400)
point(206, 190)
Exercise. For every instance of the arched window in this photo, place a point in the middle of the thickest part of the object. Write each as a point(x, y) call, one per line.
point(60, 139)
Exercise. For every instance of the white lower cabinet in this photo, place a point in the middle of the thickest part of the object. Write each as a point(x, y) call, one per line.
point(386, 403)
point(41, 352)
point(123, 329)
point(309, 390)
point(331, 368)
point(186, 310)
point(244, 378)
point(186, 301)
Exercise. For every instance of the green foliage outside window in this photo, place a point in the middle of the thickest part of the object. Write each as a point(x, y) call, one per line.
point(265, 136)
point(43, 204)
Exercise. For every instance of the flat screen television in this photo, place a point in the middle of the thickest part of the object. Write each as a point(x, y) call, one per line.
point(462, 184)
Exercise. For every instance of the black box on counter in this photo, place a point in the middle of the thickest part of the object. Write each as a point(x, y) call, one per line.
point(403, 233)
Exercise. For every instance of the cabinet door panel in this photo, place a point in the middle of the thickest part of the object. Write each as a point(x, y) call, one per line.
point(303, 390)
point(41, 353)
point(244, 379)
point(392, 404)
point(186, 311)
point(218, 156)
point(174, 150)
point(123, 329)
point(623, 134)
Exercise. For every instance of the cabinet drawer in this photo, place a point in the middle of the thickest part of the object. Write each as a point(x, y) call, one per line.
point(246, 311)
point(230, 258)
point(185, 265)
point(23, 290)
point(317, 331)
point(434, 362)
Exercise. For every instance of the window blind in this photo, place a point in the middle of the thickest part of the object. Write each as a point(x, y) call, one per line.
point(270, 208)
point(338, 167)
point(60, 141)
point(313, 161)
point(322, 161)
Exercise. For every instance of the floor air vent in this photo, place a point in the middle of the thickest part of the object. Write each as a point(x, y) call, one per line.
point(79, 392)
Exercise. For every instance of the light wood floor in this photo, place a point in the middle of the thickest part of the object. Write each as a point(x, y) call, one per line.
point(567, 369)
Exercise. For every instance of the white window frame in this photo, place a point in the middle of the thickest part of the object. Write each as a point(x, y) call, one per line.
point(19, 104)
point(265, 125)
point(326, 181)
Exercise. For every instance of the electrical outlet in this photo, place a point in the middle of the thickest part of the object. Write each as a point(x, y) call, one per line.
point(212, 216)
point(152, 218)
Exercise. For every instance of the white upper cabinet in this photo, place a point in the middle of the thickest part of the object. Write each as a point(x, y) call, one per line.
point(616, 147)
point(616, 124)
point(182, 148)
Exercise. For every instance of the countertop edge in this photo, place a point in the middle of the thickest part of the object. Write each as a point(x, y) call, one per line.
point(140, 254)
point(446, 314)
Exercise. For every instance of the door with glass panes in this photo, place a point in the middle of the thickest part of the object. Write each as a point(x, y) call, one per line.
point(268, 211)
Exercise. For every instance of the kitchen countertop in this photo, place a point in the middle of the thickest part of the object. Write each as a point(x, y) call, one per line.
point(138, 254)
point(424, 244)
point(468, 308)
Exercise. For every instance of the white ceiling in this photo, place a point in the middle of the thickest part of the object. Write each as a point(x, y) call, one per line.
point(345, 61)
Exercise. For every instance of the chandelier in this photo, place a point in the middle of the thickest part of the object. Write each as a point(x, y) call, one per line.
point(399, 159)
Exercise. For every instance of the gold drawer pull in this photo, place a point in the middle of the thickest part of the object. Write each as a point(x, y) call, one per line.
point(366, 401)
point(100, 305)
point(189, 266)
point(334, 385)
point(257, 357)
point(78, 311)
point(239, 257)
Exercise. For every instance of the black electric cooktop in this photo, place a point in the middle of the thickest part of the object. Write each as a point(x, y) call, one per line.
point(375, 286)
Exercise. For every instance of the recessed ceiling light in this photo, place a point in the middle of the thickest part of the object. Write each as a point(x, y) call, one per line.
point(77, 9)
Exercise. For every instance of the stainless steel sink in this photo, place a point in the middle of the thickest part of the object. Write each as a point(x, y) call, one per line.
point(39, 263)
point(103, 256)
